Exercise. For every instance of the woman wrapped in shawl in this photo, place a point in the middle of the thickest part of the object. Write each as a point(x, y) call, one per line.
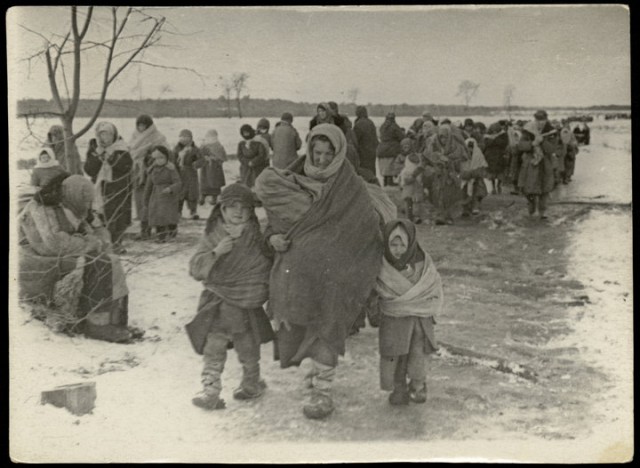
point(68, 263)
point(536, 178)
point(474, 184)
point(235, 273)
point(444, 154)
point(145, 137)
point(410, 295)
point(390, 137)
point(109, 165)
point(325, 231)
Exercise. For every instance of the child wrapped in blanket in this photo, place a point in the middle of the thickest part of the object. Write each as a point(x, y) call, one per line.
point(46, 169)
point(235, 273)
point(409, 291)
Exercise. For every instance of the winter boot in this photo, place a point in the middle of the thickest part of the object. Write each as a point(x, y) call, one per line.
point(242, 393)
point(400, 394)
point(208, 399)
point(145, 232)
point(320, 404)
point(418, 395)
point(109, 332)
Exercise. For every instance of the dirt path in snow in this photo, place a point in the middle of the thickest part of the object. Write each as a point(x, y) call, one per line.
point(508, 294)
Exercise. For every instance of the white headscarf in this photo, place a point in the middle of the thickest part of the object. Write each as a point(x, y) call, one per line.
point(339, 142)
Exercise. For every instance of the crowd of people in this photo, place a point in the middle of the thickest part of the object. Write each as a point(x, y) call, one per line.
point(333, 252)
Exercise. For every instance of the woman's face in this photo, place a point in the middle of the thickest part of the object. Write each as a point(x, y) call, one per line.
point(322, 113)
point(159, 158)
point(44, 157)
point(236, 212)
point(185, 140)
point(322, 154)
point(397, 247)
point(105, 138)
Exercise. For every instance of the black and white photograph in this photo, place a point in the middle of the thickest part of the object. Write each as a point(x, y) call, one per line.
point(320, 234)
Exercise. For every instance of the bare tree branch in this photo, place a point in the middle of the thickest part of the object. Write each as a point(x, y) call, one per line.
point(55, 64)
point(167, 67)
point(52, 81)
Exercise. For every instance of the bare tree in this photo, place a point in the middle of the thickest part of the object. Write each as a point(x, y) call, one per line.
point(352, 95)
point(227, 86)
point(239, 82)
point(468, 90)
point(509, 90)
point(130, 34)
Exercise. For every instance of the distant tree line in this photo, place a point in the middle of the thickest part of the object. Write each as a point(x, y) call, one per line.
point(252, 107)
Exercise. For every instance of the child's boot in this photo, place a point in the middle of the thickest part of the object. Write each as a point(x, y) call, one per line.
point(400, 395)
point(209, 399)
point(145, 232)
point(252, 386)
point(418, 392)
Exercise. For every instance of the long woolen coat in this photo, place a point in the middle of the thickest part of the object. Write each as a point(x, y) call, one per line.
point(162, 208)
point(253, 160)
point(116, 194)
point(188, 165)
point(367, 139)
point(211, 173)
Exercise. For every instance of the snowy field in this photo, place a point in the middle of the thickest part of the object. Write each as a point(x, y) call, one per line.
point(143, 409)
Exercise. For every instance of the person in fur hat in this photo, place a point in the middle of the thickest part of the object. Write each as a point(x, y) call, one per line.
point(232, 265)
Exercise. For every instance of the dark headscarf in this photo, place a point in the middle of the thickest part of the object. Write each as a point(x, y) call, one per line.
point(361, 112)
point(263, 123)
point(145, 120)
point(246, 128)
point(391, 116)
point(414, 253)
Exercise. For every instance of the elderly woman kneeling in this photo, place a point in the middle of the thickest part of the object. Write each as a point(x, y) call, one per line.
point(69, 265)
point(324, 231)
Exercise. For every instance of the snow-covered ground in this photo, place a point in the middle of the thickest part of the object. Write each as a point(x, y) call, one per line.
point(143, 409)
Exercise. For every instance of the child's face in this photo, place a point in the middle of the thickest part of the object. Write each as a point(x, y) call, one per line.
point(397, 247)
point(322, 114)
point(323, 154)
point(105, 138)
point(185, 140)
point(406, 148)
point(236, 212)
point(159, 158)
point(141, 127)
point(44, 157)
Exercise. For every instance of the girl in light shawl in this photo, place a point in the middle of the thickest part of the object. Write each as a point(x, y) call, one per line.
point(410, 295)
point(109, 164)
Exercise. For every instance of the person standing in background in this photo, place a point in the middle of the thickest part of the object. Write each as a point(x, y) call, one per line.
point(285, 141)
point(367, 139)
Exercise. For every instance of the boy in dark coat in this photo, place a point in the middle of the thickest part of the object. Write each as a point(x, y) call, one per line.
point(188, 162)
point(161, 194)
point(235, 272)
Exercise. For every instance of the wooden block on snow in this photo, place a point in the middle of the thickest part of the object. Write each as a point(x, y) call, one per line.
point(78, 398)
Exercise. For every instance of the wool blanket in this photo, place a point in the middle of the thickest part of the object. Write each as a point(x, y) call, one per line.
point(400, 297)
point(324, 278)
point(240, 277)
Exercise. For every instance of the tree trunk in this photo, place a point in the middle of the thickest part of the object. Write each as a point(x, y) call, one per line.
point(72, 161)
point(239, 107)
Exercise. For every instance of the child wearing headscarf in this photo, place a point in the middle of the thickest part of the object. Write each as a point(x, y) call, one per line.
point(161, 195)
point(188, 161)
point(46, 169)
point(409, 291)
point(211, 173)
point(262, 134)
point(235, 273)
point(252, 155)
point(411, 178)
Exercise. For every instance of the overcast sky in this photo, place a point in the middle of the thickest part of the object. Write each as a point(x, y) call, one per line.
point(554, 56)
